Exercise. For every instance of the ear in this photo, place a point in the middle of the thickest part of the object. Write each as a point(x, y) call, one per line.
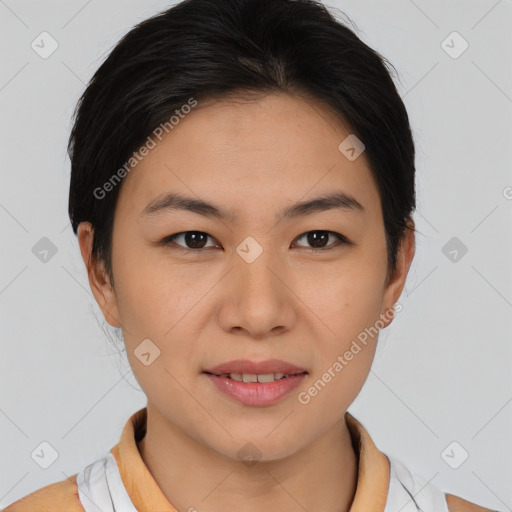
point(395, 283)
point(99, 281)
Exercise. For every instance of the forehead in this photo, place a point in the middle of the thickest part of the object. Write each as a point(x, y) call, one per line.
point(261, 154)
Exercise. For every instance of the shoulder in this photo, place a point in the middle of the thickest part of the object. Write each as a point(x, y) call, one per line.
point(58, 497)
point(457, 504)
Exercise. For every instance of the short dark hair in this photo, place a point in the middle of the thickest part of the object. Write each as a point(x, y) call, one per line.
point(216, 48)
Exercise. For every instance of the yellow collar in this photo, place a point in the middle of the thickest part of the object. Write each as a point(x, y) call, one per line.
point(372, 481)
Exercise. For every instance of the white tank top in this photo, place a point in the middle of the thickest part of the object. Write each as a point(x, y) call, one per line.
point(100, 489)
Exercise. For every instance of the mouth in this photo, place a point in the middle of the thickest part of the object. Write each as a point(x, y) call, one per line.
point(253, 383)
point(242, 369)
point(263, 389)
point(254, 377)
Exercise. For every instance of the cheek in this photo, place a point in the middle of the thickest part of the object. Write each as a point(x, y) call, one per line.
point(159, 303)
point(349, 305)
point(348, 298)
point(346, 351)
point(145, 288)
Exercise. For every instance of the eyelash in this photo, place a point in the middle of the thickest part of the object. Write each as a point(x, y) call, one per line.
point(168, 240)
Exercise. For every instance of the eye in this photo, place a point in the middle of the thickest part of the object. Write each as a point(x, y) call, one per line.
point(319, 238)
point(194, 240)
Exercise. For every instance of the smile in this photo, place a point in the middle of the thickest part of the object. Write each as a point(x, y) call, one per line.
point(256, 389)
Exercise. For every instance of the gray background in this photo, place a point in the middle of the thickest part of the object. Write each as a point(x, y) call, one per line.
point(442, 369)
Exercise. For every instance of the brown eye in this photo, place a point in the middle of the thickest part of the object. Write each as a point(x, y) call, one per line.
point(319, 239)
point(193, 240)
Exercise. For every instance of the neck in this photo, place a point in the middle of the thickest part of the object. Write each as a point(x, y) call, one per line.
point(322, 476)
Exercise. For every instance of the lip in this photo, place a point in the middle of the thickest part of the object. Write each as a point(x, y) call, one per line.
point(246, 366)
point(256, 393)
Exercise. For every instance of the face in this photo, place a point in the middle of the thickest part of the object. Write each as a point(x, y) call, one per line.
point(264, 281)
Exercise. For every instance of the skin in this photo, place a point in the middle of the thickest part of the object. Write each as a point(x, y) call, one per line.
point(291, 303)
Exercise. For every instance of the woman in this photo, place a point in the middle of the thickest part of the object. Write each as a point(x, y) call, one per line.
point(242, 190)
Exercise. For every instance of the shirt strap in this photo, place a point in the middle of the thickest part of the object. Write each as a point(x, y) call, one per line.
point(412, 493)
point(100, 488)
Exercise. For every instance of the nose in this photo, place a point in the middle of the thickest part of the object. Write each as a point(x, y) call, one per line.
point(259, 303)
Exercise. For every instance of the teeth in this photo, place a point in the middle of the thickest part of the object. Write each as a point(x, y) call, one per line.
point(266, 377)
point(251, 377)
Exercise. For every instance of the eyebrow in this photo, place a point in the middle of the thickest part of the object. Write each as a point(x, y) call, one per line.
point(175, 202)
